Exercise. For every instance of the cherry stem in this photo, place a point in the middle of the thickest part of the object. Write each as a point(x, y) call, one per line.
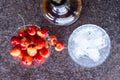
point(22, 20)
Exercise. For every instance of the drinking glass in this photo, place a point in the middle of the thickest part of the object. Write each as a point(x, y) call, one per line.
point(89, 45)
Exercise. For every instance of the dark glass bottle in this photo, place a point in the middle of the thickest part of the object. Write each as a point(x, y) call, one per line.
point(61, 12)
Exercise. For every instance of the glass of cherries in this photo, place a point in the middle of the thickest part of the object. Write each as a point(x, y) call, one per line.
point(31, 45)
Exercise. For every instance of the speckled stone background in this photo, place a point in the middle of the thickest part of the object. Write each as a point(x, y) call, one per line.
point(105, 13)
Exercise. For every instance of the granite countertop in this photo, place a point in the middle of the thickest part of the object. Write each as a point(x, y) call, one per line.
point(105, 13)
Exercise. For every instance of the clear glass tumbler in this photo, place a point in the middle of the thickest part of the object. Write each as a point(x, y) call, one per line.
point(89, 45)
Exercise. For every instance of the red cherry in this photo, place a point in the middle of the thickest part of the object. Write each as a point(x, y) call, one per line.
point(19, 58)
point(53, 39)
point(31, 30)
point(39, 59)
point(15, 51)
point(43, 32)
point(15, 40)
point(22, 32)
point(31, 50)
point(32, 39)
point(24, 53)
point(25, 42)
point(40, 43)
point(27, 60)
point(44, 52)
point(59, 46)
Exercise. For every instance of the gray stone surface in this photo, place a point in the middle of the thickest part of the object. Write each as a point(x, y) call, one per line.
point(105, 13)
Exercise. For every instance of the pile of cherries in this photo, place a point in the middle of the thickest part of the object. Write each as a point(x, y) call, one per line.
point(31, 45)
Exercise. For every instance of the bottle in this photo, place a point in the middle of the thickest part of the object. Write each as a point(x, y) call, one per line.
point(61, 12)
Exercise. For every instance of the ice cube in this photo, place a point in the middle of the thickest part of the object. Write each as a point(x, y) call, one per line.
point(83, 43)
point(98, 43)
point(93, 54)
point(101, 43)
point(78, 52)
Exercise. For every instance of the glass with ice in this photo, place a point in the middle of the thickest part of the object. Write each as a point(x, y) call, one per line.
point(89, 45)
